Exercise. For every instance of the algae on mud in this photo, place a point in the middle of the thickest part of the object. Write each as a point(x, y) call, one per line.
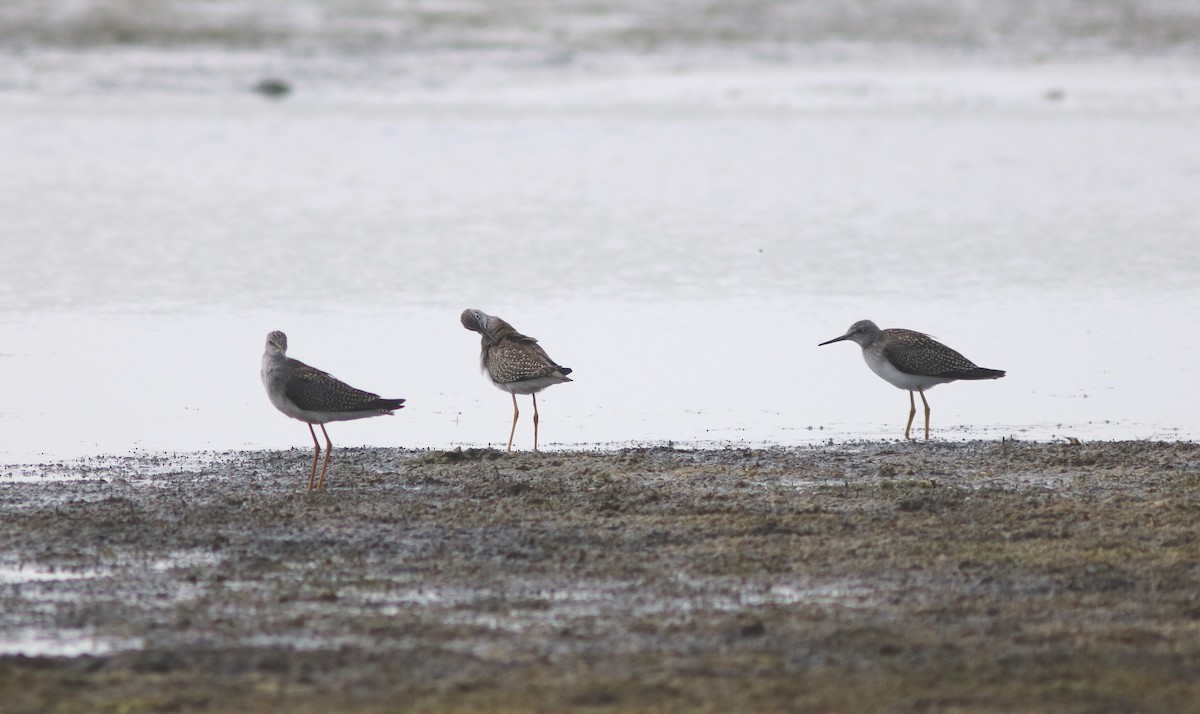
point(883, 576)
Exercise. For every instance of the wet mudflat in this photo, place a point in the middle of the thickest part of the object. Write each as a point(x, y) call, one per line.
point(978, 577)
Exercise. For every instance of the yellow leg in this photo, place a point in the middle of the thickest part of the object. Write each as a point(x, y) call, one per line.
point(912, 412)
point(312, 476)
point(516, 413)
point(535, 421)
point(328, 455)
point(926, 413)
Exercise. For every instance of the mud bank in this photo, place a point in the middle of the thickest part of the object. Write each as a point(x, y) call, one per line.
point(972, 577)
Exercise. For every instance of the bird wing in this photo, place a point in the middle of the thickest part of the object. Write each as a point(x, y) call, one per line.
point(917, 353)
point(513, 361)
point(311, 389)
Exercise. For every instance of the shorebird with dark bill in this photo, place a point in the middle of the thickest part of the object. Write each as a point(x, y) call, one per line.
point(315, 397)
point(913, 361)
point(515, 363)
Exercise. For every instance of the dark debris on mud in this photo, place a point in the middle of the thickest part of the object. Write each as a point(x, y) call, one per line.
point(985, 576)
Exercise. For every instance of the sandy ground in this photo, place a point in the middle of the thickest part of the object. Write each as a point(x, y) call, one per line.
point(976, 577)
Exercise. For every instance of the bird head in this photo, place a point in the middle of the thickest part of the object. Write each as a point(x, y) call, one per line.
point(861, 333)
point(277, 343)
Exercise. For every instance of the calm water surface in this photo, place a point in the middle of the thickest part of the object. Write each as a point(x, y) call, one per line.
point(683, 241)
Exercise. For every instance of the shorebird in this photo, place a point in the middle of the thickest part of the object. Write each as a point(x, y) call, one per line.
point(515, 363)
point(315, 397)
point(913, 361)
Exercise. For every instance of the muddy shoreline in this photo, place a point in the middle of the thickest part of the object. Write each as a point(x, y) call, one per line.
point(980, 576)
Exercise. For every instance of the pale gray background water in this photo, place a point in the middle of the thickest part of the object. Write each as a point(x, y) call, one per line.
point(680, 199)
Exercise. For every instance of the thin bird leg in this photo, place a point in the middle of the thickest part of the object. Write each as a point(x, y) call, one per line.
point(328, 455)
point(535, 421)
point(312, 477)
point(926, 414)
point(516, 413)
point(912, 412)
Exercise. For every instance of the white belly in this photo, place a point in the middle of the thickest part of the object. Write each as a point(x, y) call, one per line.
point(901, 380)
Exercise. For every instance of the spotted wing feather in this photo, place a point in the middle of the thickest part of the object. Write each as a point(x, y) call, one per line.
point(917, 353)
point(313, 390)
point(517, 360)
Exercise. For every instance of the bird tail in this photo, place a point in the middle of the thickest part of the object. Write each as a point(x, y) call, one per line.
point(978, 373)
point(385, 405)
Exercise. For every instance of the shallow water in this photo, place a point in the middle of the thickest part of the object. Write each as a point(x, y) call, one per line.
point(682, 238)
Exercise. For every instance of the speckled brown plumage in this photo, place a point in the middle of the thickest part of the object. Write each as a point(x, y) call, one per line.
point(514, 362)
point(510, 358)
